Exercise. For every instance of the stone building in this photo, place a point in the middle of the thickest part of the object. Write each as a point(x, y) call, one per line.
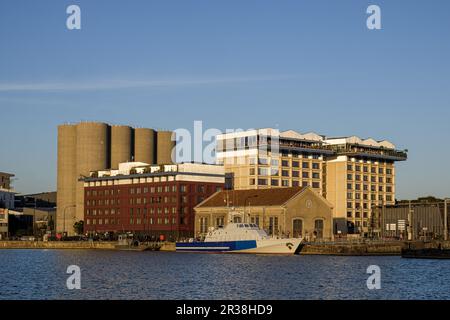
point(290, 212)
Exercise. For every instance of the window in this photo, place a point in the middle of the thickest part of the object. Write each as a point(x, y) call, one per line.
point(305, 175)
point(318, 228)
point(285, 183)
point(274, 182)
point(252, 171)
point(349, 177)
point(316, 175)
point(295, 164)
point(285, 163)
point(305, 165)
point(316, 185)
point(203, 225)
point(285, 173)
point(262, 182)
point(315, 166)
point(273, 225)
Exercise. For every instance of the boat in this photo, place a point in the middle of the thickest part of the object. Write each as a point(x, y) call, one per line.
point(241, 238)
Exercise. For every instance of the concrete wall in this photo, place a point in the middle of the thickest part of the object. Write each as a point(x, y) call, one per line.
point(92, 154)
point(67, 174)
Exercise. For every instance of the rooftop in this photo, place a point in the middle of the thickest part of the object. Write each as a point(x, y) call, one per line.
point(255, 197)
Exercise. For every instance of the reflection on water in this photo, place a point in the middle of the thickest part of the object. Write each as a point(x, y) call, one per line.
point(41, 274)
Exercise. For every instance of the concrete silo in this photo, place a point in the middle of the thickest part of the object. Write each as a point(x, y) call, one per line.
point(93, 153)
point(165, 147)
point(144, 145)
point(66, 175)
point(121, 145)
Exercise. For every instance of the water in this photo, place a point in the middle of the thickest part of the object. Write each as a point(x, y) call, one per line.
point(41, 274)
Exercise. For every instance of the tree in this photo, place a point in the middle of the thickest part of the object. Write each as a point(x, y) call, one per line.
point(78, 227)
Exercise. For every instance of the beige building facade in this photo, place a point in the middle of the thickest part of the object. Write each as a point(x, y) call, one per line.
point(285, 212)
point(353, 174)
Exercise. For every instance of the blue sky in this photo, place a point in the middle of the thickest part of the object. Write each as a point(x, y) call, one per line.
point(303, 65)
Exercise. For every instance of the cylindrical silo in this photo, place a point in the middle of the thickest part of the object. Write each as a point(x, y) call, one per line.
point(121, 145)
point(165, 147)
point(66, 175)
point(92, 154)
point(144, 145)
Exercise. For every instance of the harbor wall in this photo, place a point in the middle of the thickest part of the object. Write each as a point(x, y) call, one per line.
point(57, 245)
point(353, 249)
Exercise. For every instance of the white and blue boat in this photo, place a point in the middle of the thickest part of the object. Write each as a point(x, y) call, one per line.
point(241, 238)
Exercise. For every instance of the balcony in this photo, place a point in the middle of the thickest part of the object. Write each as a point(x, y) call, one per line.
point(357, 150)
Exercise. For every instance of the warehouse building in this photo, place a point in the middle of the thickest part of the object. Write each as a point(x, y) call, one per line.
point(148, 200)
point(285, 212)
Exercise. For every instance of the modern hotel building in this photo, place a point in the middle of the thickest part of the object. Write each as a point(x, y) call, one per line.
point(355, 175)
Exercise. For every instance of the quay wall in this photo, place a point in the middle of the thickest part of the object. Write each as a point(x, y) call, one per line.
point(353, 249)
point(56, 245)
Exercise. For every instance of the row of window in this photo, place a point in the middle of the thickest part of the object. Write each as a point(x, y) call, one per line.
point(357, 168)
point(351, 205)
point(137, 221)
point(365, 187)
point(132, 201)
point(157, 189)
point(366, 178)
point(137, 211)
point(284, 183)
point(284, 173)
point(364, 215)
point(365, 196)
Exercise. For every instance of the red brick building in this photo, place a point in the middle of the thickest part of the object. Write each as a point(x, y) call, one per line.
point(148, 200)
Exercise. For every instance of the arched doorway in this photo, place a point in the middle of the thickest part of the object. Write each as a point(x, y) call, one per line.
point(297, 228)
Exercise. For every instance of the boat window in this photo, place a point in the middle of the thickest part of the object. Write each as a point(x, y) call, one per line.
point(247, 226)
point(240, 225)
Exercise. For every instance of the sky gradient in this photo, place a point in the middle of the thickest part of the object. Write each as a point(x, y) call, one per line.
point(302, 65)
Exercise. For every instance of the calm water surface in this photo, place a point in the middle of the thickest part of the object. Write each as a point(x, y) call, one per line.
point(41, 274)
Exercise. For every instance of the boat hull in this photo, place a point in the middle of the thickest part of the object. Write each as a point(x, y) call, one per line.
point(268, 246)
